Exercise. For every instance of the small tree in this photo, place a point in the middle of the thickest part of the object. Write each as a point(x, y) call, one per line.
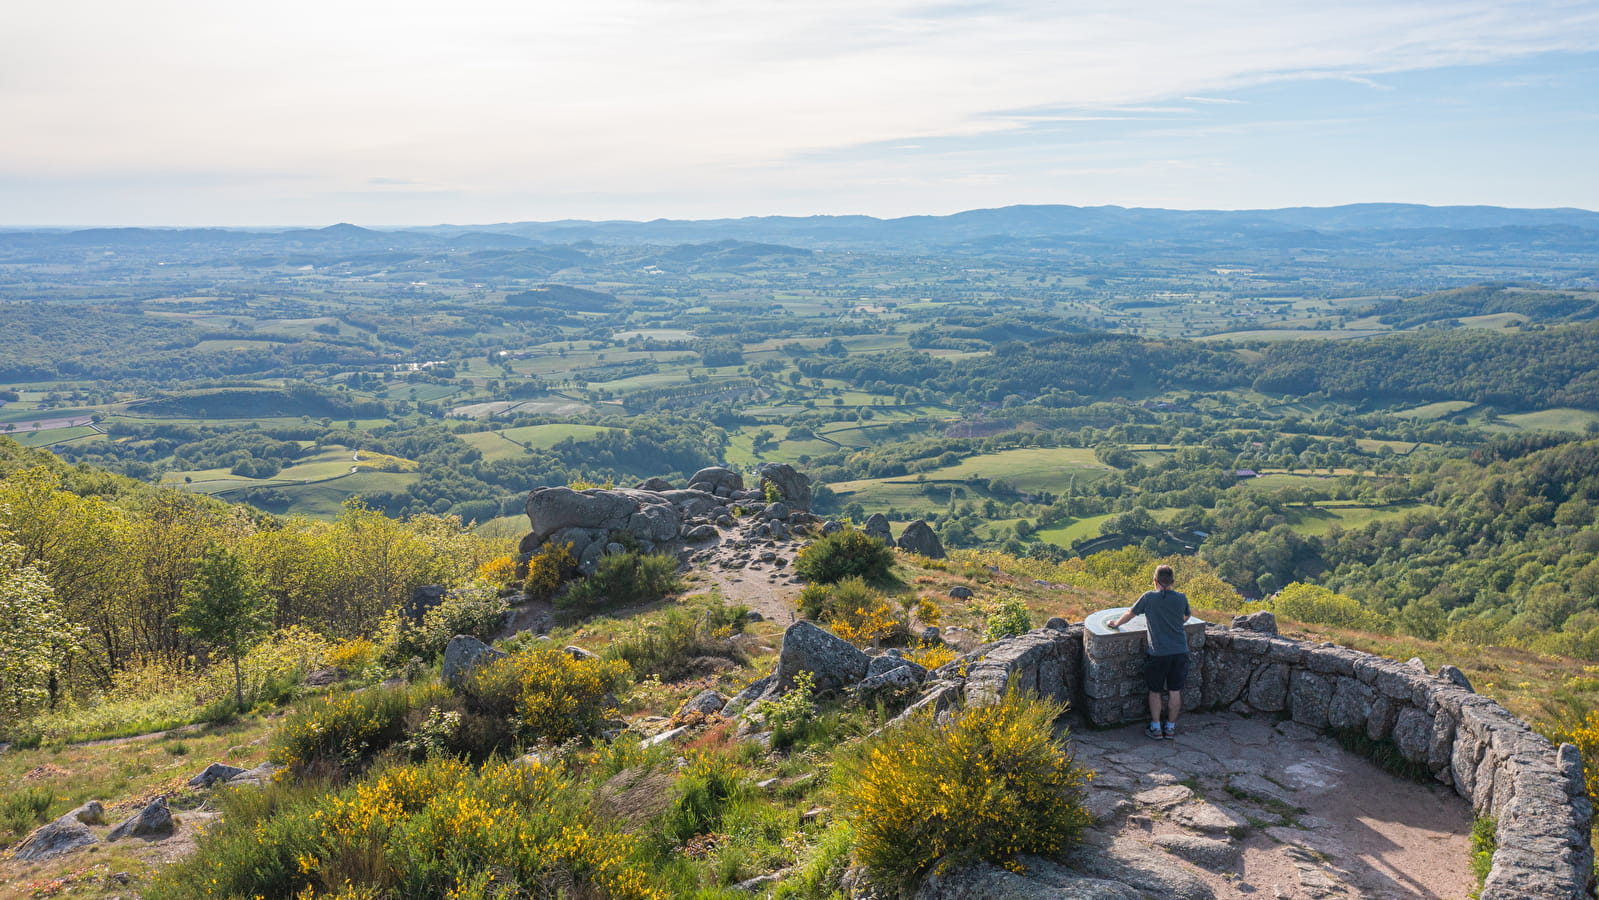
point(225, 606)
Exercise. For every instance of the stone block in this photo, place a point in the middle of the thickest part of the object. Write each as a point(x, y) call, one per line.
point(1380, 721)
point(1252, 644)
point(1441, 745)
point(1285, 651)
point(1268, 688)
point(1226, 677)
point(1351, 704)
point(1309, 696)
point(1464, 757)
point(1333, 661)
point(1413, 734)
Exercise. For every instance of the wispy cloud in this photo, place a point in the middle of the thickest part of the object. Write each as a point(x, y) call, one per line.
point(510, 98)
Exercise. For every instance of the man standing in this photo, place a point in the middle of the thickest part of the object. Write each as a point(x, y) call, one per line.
point(1165, 611)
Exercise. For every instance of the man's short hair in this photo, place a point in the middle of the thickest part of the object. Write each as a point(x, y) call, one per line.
point(1164, 575)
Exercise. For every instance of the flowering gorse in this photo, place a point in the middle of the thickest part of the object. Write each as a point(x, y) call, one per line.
point(993, 785)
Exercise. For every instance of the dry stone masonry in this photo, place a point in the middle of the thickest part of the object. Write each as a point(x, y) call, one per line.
point(1534, 791)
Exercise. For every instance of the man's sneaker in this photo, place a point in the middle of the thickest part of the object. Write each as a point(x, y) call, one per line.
point(1154, 731)
point(1170, 730)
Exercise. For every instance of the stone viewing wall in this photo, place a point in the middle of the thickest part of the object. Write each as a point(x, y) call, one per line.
point(1534, 791)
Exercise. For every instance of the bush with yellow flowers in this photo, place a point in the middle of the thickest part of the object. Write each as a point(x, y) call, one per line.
point(994, 784)
point(547, 569)
point(856, 611)
point(549, 695)
point(353, 656)
point(496, 572)
point(441, 828)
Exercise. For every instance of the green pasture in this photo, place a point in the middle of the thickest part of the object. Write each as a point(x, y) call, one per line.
point(330, 463)
point(1030, 468)
point(1294, 334)
point(1067, 535)
point(656, 334)
point(240, 344)
point(322, 500)
point(1494, 321)
point(637, 383)
point(514, 442)
point(22, 415)
point(1431, 412)
point(1371, 445)
point(1318, 520)
point(422, 392)
point(870, 434)
point(910, 498)
point(48, 437)
point(1279, 480)
point(1575, 421)
point(741, 446)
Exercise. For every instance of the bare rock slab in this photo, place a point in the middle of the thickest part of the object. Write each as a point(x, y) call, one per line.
point(1208, 853)
point(58, 838)
point(1209, 817)
point(1042, 881)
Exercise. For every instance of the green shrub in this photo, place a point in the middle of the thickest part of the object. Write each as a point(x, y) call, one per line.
point(547, 570)
point(548, 695)
point(1007, 617)
point(821, 866)
point(994, 784)
point(1484, 843)
point(706, 789)
point(830, 602)
point(478, 613)
point(346, 730)
point(23, 809)
point(1319, 606)
point(667, 648)
point(842, 554)
point(787, 715)
point(624, 579)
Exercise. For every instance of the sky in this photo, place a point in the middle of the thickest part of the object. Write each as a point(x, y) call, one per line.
point(310, 112)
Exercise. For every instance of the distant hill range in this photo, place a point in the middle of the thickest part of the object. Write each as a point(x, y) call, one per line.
point(747, 240)
point(1336, 226)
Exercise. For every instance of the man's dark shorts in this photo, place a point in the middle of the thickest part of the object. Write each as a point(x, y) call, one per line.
point(1167, 673)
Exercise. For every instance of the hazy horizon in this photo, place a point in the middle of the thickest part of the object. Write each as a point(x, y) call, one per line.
point(83, 226)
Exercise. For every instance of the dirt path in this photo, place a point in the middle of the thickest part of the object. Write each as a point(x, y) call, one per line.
point(754, 588)
point(1265, 809)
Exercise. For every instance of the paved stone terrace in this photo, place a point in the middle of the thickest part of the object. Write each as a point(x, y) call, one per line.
point(1253, 807)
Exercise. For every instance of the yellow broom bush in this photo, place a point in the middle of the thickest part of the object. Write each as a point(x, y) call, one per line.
point(993, 785)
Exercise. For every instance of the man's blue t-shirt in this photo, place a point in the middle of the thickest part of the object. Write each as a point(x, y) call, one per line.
point(1164, 613)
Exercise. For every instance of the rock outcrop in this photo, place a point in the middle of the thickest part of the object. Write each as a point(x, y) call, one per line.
point(835, 663)
point(876, 525)
point(58, 838)
point(463, 654)
point(792, 487)
point(716, 480)
point(153, 822)
point(214, 773)
point(919, 537)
